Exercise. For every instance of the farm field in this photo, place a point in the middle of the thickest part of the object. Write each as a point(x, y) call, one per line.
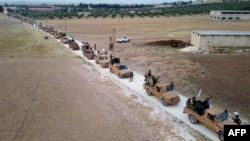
point(225, 77)
point(52, 97)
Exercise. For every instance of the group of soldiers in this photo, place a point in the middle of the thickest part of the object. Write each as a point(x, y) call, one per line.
point(151, 80)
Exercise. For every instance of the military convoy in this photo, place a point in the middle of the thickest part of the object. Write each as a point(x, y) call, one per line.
point(164, 91)
point(212, 117)
point(198, 111)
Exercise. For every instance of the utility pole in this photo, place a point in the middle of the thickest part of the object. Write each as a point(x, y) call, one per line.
point(65, 25)
point(113, 41)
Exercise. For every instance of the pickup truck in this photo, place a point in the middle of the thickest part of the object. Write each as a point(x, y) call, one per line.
point(212, 117)
point(102, 59)
point(87, 51)
point(160, 90)
point(73, 45)
point(120, 69)
point(65, 40)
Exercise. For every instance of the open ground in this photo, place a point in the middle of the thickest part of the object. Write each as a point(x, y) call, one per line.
point(225, 77)
point(47, 94)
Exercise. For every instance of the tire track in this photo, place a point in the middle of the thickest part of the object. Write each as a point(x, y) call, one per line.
point(6, 97)
point(7, 70)
point(117, 109)
point(33, 98)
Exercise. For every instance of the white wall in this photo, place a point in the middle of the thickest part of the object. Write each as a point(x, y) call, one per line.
point(202, 42)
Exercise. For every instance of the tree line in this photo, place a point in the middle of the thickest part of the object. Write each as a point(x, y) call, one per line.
point(105, 10)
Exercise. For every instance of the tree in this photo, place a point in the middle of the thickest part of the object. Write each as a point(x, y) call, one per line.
point(1, 8)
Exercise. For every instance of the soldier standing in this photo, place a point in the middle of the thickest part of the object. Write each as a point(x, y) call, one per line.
point(111, 56)
point(172, 85)
point(110, 39)
point(94, 47)
point(131, 76)
point(149, 73)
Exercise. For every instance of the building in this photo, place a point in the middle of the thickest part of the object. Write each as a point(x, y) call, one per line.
point(84, 14)
point(215, 39)
point(216, 1)
point(227, 15)
point(40, 8)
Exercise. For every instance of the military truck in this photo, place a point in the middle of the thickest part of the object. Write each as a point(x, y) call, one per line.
point(102, 59)
point(120, 69)
point(87, 51)
point(59, 35)
point(65, 40)
point(73, 45)
point(164, 91)
point(212, 117)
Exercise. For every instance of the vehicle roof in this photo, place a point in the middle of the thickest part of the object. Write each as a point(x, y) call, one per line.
point(215, 110)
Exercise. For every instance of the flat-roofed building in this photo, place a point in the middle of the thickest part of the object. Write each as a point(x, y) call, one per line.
point(227, 15)
point(216, 1)
point(206, 39)
point(40, 8)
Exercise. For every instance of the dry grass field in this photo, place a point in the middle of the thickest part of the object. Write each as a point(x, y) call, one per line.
point(226, 77)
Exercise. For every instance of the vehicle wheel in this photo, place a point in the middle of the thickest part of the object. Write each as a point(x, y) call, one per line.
point(102, 65)
point(148, 92)
point(111, 70)
point(119, 75)
point(164, 103)
point(221, 136)
point(193, 119)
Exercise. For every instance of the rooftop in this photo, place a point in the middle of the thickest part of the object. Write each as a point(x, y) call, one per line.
point(225, 33)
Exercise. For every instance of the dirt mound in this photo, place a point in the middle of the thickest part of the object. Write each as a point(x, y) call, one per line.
point(173, 43)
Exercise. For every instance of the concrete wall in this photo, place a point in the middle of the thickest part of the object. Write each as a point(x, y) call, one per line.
point(205, 41)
